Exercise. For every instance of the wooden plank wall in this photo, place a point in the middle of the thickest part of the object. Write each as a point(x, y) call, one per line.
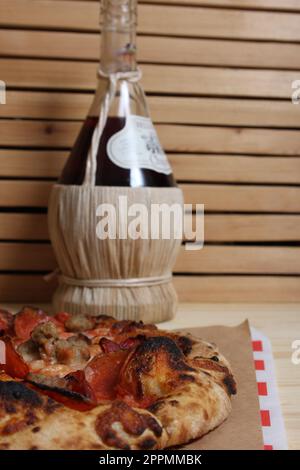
point(218, 74)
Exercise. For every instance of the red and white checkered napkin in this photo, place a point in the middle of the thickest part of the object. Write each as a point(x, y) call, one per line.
point(271, 418)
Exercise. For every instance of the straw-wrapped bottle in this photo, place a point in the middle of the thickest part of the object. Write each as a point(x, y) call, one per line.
point(116, 162)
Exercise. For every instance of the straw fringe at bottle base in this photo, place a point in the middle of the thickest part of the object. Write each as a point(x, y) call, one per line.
point(90, 262)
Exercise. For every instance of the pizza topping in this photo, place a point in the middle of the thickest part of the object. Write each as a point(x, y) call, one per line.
point(79, 323)
point(132, 342)
point(108, 346)
point(104, 320)
point(77, 383)
point(66, 390)
point(131, 422)
point(44, 336)
point(50, 370)
point(52, 345)
point(6, 321)
point(29, 351)
point(102, 374)
point(62, 317)
point(14, 363)
point(128, 327)
point(26, 320)
point(71, 352)
point(44, 332)
point(45, 380)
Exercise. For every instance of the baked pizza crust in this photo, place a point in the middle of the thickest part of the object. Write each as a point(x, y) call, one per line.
point(192, 383)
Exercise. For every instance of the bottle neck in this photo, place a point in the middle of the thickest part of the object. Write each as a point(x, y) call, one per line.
point(118, 38)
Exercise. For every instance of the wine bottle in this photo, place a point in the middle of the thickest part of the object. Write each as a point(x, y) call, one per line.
point(117, 155)
point(128, 152)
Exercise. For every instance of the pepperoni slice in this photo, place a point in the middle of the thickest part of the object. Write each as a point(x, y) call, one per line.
point(66, 397)
point(14, 364)
point(102, 374)
point(62, 317)
point(27, 319)
point(108, 346)
point(130, 343)
point(74, 403)
point(6, 321)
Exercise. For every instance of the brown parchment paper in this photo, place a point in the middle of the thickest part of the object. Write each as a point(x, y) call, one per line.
point(242, 429)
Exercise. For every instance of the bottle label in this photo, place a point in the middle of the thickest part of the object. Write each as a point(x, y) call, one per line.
point(137, 146)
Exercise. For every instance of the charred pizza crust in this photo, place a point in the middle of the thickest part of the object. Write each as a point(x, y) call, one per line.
point(190, 384)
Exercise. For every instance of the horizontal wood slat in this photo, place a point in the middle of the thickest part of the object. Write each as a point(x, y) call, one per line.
point(251, 228)
point(156, 19)
point(164, 109)
point(26, 288)
point(237, 169)
point(211, 259)
point(228, 198)
point(243, 198)
point(292, 5)
point(26, 257)
point(23, 226)
point(32, 163)
point(238, 288)
point(174, 138)
point(24, 193)
point(153, 49)
point(239, 260)
point(52, 74)
point(218, 227)
point(186, 167)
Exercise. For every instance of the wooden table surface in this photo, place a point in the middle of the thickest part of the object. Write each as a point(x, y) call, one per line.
point(280, 322)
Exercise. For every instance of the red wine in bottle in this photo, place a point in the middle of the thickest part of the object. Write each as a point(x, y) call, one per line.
point(128, 152)
point(108, 173)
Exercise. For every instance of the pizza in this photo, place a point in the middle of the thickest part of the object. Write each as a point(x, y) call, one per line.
point(79, 382)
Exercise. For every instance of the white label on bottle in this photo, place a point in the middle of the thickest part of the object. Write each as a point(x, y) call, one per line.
point(137, 146)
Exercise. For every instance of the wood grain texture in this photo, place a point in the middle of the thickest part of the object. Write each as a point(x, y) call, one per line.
point(221, 197)
point(174, 138)
point(239, 260)
point(164, 109)
point(24, 193)
point(289, 5)
point(186, 167)
point(230, 289)
point(73, 75)
point(211, 259)
point(240, 198)
point(236, 168)
point(29, 288)
point(218, 227)
point(152, 49)
point(25, 288)
point(156, 19)
point(23, 226)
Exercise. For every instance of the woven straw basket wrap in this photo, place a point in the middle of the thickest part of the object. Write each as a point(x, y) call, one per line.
point(125, 278)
